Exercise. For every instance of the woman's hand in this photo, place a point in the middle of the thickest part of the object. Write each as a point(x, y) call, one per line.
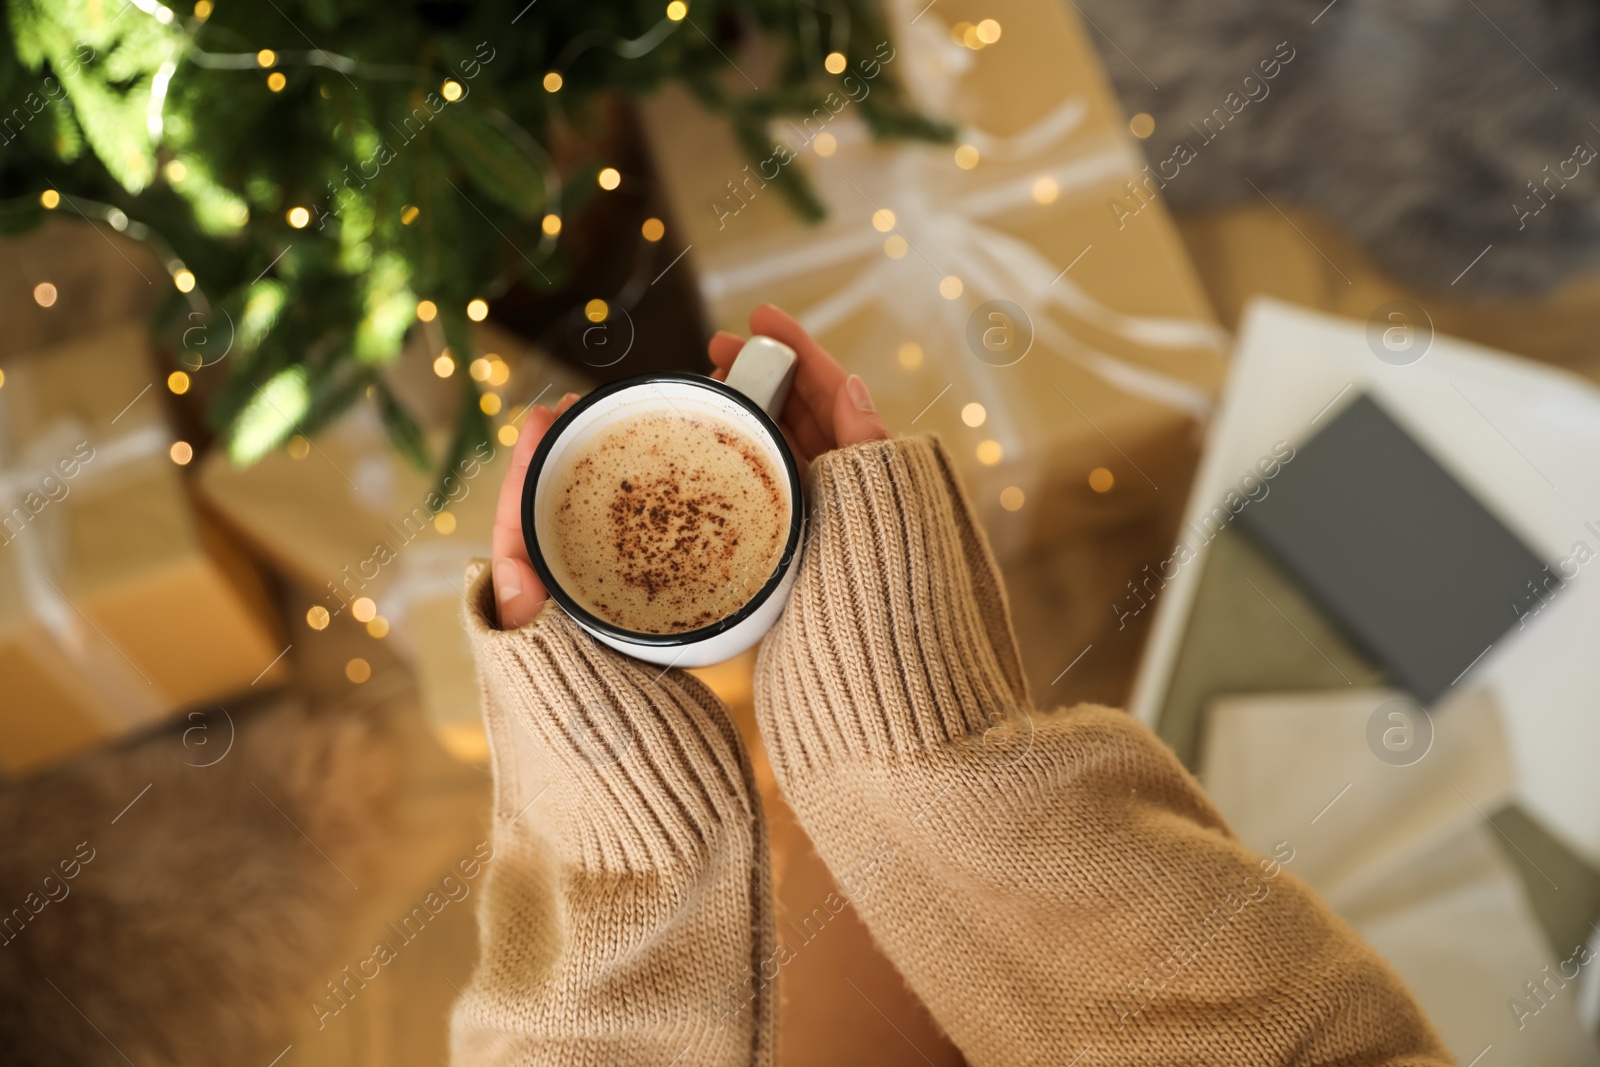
point(518, 592)
point(826, 408)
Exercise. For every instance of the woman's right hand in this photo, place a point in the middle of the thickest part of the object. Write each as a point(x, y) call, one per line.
point(826, 409)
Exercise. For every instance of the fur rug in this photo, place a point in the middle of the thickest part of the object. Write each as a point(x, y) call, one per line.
point(164, 902)
point(1428, 131)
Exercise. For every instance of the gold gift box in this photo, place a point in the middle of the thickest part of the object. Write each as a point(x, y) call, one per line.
point(119, 604)
point(1029, 206)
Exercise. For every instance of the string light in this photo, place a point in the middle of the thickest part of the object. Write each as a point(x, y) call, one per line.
point(378, 627)
point(409, 214)
point(966, 157)
point(677, 11)
point(477, 310)
point(970, 38)
point(479, 369)
point(363, 609)
point(974, 414)
point(950, 287)
point(596, 310)
point(824, 144)
point(990, 452)
point(551, 224)
point(489, 403)
point(451, 90)
point(910, 355)
point(1012, 498)
point(298, 217)
point(835, 63)
point(499, 372)
point(507, 435)
point(883, 220)
point(445, 365)
point(181, 452)
point(552, 82)
point(1045, 190)
point(202, 9)
point(184, 280)
point(609, 178)
point(44, 294)
point(445, 523)
point(266, 58)
point(987, 31)
point(1101, 480)
point(49, 198)
point(653, 229)
point(178, 382)
point(276, 81)
point(959, 31)
point(358, 670)
point(317, 617)
point(427, 310)
point(895, 246)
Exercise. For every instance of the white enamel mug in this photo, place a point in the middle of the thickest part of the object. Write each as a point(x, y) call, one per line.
point(751, 399)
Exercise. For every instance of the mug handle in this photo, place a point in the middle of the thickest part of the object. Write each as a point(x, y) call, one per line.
point(763, 371)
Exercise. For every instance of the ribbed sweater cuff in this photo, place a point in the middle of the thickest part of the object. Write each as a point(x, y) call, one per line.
point(642, 767)
point(897, 637)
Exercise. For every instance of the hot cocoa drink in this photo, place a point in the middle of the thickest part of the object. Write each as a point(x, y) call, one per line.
point(668, 522)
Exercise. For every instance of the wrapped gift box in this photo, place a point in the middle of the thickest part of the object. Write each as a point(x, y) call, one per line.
point(1004, 270)
point(347, 517)
point(118, 603)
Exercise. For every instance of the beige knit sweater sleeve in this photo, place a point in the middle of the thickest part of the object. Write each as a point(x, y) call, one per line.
point(1056, 888)
point(628, 896)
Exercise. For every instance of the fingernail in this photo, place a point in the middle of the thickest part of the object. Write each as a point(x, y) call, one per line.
point(858, 393)
point(507, 583)
point(569, 396)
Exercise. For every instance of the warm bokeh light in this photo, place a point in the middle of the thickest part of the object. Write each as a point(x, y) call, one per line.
point(987, 31)
point(950, 287)
point(653, 229)
point(378, 627)
point(49, 198)
point(178, 382)
point(181, 452)
point(824, 144)
point(1045, 190)
point(479, 369)
point(966, 157)
point(202, 9)
point(609, 178)
point(184, 280)
point(409, 214)
point(298, 217)
point(990, 452)
point(317, 617)
point(299, 447)
point(175, 171)
point(596, 310)
point(552, 82)
point(358, 670)
point(883, 220)
point(276, 81)
point(677, 11)
point(551, 225)
point(451, 90)
point(477, 310)
point(507, 435)
point(1101, 480)
point(363, 609)
point(499, 371)
point(974, 414)
point(1011, 498)
point(1142, 125)
point(910, 355)
point(266, 57)
point(835, 63)
point(427, 310)
point(895, 246)
point(445, 365)
point(44, 294)
point(489, 403)
point(445, 523)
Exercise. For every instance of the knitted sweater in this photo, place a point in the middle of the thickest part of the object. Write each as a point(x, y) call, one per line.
point(1055, 887)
